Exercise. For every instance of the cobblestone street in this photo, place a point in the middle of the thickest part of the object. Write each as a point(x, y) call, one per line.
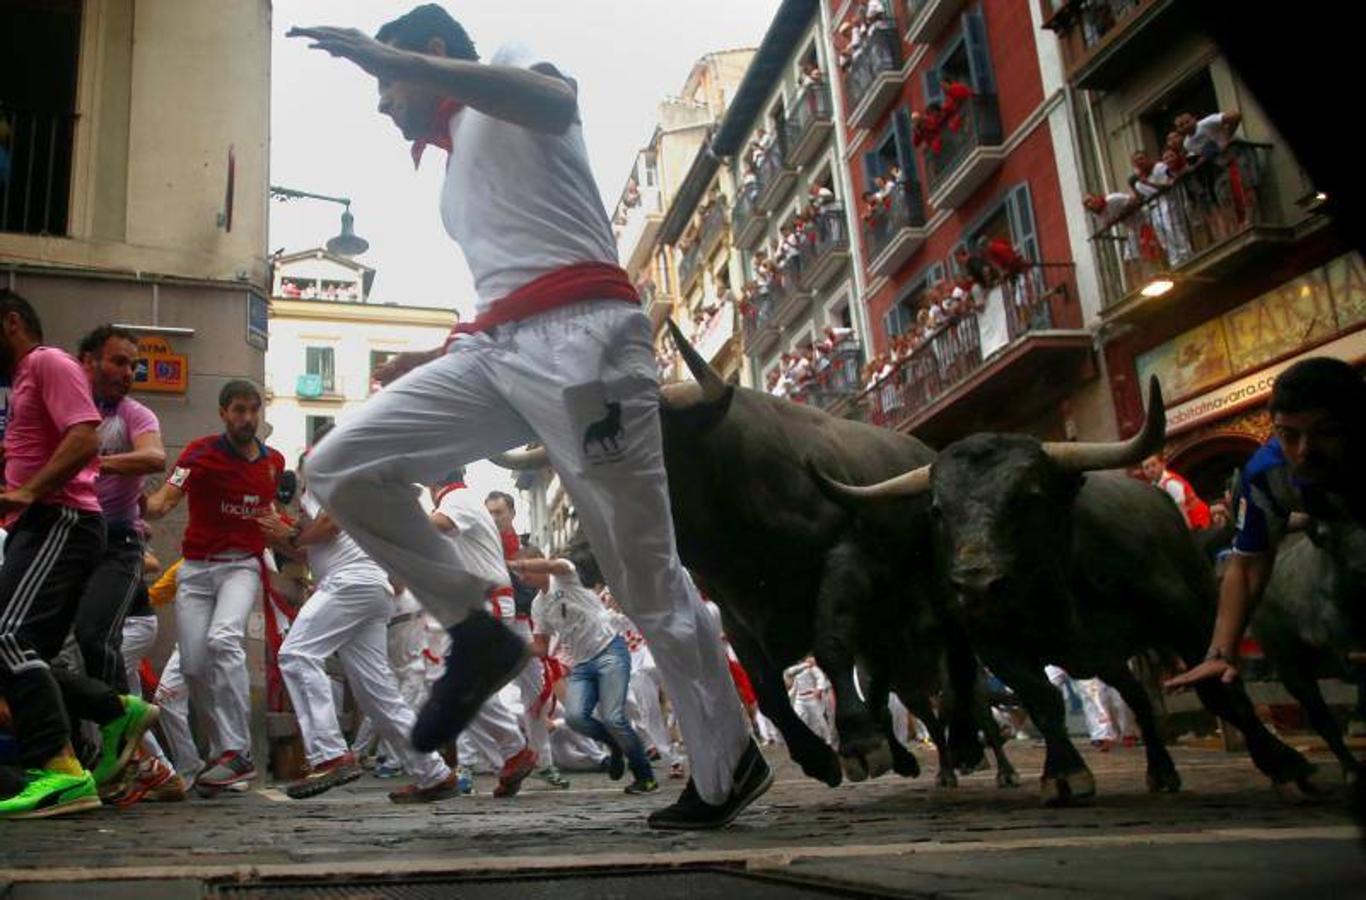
point(1227, 834)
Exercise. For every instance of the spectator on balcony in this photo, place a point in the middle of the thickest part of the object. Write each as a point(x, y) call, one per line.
point(956, 97)
point(749, 184)
point(1207, 137)
point(811, 76)
point(1109, 208)
point(1165, 213)
point(821, 197)
point(631, 197)
point(1001, 255)
point(973, 267)
point(927, 128)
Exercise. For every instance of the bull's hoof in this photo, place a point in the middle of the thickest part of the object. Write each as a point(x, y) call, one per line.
point(1007, 778)
point(1168, 782)
point(822, 765)
point(904, 762)
point(966, 749)
point(866, 760)
point(1064, 790)
point(981, 765)
point(946, 779)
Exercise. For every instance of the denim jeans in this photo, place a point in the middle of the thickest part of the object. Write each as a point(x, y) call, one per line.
point(602, 682)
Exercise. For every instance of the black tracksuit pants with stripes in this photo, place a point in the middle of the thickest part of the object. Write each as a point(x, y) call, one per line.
point(50, 554)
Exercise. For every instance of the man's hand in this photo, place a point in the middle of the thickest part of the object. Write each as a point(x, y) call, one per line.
point(349, 43)
point(404, 363)
point(1218, 668)
point(274, 528)
point(15, 501)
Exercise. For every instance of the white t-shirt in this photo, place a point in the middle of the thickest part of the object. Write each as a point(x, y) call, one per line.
point(807, 681)
point(521, 203)
point(339, 558)
point(576, 615)
point(1209, 134)
point(476, 539)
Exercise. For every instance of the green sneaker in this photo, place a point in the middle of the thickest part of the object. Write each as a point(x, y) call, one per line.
point(120, 738)
point(49, 793)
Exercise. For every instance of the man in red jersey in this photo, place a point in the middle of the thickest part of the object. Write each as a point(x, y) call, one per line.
point(230, 479)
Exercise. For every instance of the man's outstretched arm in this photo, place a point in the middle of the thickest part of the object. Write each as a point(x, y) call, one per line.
point(540, 99)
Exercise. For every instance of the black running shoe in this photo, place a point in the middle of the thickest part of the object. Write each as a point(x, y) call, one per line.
point(691, 813)
point(616, 763)
point(484, 656)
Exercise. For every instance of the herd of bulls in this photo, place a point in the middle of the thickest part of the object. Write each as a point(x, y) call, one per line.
point(869, 549)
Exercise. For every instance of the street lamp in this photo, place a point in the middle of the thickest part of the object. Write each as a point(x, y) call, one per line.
point(346, 243)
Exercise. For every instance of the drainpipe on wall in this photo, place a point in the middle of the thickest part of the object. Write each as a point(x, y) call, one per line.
point(858, 305)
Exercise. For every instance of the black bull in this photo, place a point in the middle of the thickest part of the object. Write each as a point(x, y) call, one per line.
point(793, 573)
point(1045, 564)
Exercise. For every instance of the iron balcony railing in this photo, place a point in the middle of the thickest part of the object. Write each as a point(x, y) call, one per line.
point(1204, 208)
point(976, 124)
point(758, 315)
point(1041, 297)
point(902, 209)
point(811, 105)
point(713, 225)
point(835, 379)
point(689, 265)
point(773, 166)
point(880, 52)
point(831, 235)
point(35, 170)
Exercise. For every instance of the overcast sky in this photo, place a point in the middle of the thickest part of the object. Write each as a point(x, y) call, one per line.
point(326, 137)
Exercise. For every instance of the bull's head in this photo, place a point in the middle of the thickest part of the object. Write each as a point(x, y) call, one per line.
point(686, 406)
point(1002, 503)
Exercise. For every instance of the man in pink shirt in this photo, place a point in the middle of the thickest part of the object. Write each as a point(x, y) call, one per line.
point(52, 514)
point(130, 448)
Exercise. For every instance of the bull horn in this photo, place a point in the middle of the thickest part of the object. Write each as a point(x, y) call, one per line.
point(1091, 457)
point(910, 484)
point(522, 460)
point(713, 387)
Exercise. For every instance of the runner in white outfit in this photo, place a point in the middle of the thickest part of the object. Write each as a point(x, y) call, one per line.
point(809, 687)
point(471, 532)
point(560, 353)
point(348, 615)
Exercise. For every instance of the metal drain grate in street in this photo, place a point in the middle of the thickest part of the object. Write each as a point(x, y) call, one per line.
point(674, 884)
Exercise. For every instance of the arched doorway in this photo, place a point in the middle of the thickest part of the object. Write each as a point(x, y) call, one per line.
point(1210, 462)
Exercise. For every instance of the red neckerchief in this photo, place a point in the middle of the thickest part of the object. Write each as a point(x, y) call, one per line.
point(439, 132)
point(453, 486)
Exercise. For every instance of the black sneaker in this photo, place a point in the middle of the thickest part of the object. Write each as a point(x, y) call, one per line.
point(691, 813)
point(484, 656)
point(616, 764)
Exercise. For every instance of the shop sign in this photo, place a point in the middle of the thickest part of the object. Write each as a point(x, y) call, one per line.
point(1307, 310)
point(1256, 388)
point(159, 369)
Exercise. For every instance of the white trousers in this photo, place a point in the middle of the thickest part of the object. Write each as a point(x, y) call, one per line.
point(811, 710)
point(173, 697)
point(529, 683)
point(213, 600)
point(581, 380)
point(349, 618)
point(1107, 716)
point(648, 714)
point(139, 634)
point(573, 752)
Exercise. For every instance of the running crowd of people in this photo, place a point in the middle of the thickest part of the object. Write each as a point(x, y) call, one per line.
point(589, 696)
